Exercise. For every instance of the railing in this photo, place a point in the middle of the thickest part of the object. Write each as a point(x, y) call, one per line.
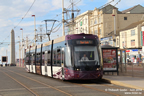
point(131, 69)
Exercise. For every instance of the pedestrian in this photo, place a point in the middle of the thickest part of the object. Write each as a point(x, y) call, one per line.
point(137, 59)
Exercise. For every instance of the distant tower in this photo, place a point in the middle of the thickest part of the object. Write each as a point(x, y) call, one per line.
point(12, 48)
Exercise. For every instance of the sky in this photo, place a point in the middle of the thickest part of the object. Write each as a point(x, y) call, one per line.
point(12, 12)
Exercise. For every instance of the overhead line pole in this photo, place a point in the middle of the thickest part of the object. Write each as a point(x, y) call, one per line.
point(63, 18)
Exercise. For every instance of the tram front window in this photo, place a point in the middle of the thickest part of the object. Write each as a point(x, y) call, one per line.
point(86, 58)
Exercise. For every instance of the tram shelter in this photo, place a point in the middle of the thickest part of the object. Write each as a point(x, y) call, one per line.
point(110, 58)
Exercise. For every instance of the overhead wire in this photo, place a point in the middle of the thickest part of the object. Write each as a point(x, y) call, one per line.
point(22, 18)
point(25, 14)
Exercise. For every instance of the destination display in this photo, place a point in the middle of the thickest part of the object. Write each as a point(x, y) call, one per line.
point(84, 42)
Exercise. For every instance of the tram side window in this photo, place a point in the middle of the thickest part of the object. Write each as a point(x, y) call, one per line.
point(43, 57)
point(31, 59)
point(68, 57)
point(62, 56)
point(54, 58)
point(49, 58)
point(46, 58)
point(58, 57)
point(38, 59)
point(34, 59)
point(27, 59)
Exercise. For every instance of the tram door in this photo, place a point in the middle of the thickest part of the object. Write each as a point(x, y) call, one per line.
point(32, 59)
point(62, 62)
point(38, 65)
point(45, 62)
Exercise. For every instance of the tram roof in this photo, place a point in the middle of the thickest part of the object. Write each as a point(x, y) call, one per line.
point(57, 40)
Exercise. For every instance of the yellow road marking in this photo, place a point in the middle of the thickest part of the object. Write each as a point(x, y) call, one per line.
point(124, 85)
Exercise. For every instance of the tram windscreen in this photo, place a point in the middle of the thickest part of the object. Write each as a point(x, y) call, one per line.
point(86, 57)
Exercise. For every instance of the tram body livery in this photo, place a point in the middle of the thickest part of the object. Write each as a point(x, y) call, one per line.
point(62, 58)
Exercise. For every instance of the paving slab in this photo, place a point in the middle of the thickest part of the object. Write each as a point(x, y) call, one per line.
point(127, 81)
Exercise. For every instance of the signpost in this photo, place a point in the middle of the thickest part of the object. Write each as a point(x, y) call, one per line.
point(4, 59)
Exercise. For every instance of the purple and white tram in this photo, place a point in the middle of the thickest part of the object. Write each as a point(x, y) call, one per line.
point(62, 58)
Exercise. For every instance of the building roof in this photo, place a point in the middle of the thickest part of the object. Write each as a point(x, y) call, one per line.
point(85, 13)
point(108, 9)
point(132, 25)
point(127, 28)
point(128, 10)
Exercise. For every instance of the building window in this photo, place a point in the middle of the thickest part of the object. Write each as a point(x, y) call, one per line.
point(86, 29)
point(91, 31)
point(124, 44)
point(117, 41)
point(100, 31)
point(91, 22)
point(95, 22)
point(132, 42)
point(99, 20)
point(125, 18)
point(96, 32)
point(123, 35)
point(86, 21)
point(132, 32)
point(81, 23)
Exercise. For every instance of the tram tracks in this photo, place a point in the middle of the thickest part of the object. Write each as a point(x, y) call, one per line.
point(98, 89)
point(29, 89)
point(34, 93)
point(82, 85)
point(114, 94)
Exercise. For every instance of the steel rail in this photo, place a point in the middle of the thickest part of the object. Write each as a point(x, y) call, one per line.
point(34, 93)
point(42, 83)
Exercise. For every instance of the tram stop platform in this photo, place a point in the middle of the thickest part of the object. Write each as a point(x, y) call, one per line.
point(126, 81)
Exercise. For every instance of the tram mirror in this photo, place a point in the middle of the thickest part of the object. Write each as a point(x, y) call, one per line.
point(58, 50)
point(48, 52)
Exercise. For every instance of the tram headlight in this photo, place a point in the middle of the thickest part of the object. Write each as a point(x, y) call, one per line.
point(78, 69)
point(98, 68)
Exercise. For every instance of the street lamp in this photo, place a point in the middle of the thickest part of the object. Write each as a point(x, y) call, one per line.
point(34, 28)
point(19, 52)
point(22, 45)
point(114, 30)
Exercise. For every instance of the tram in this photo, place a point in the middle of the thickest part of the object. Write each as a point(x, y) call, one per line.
point(62, 58)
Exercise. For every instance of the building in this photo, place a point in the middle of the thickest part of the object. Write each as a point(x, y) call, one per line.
point(101, 21)
point(131, 39)
point(80, 24)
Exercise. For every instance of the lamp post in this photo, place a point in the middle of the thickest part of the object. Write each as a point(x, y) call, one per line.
point(19, 52)
point(114, 30)
point(22, 45)
point(34, 28)
point(63, 18)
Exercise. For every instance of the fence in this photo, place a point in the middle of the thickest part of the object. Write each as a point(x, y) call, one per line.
point(131, 69)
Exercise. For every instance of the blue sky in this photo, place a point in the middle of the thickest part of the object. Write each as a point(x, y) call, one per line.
point(12, 11)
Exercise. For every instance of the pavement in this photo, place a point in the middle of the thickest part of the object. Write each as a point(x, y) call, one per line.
point(126, 81)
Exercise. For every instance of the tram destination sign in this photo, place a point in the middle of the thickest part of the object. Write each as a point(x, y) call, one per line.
point(84, 42)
